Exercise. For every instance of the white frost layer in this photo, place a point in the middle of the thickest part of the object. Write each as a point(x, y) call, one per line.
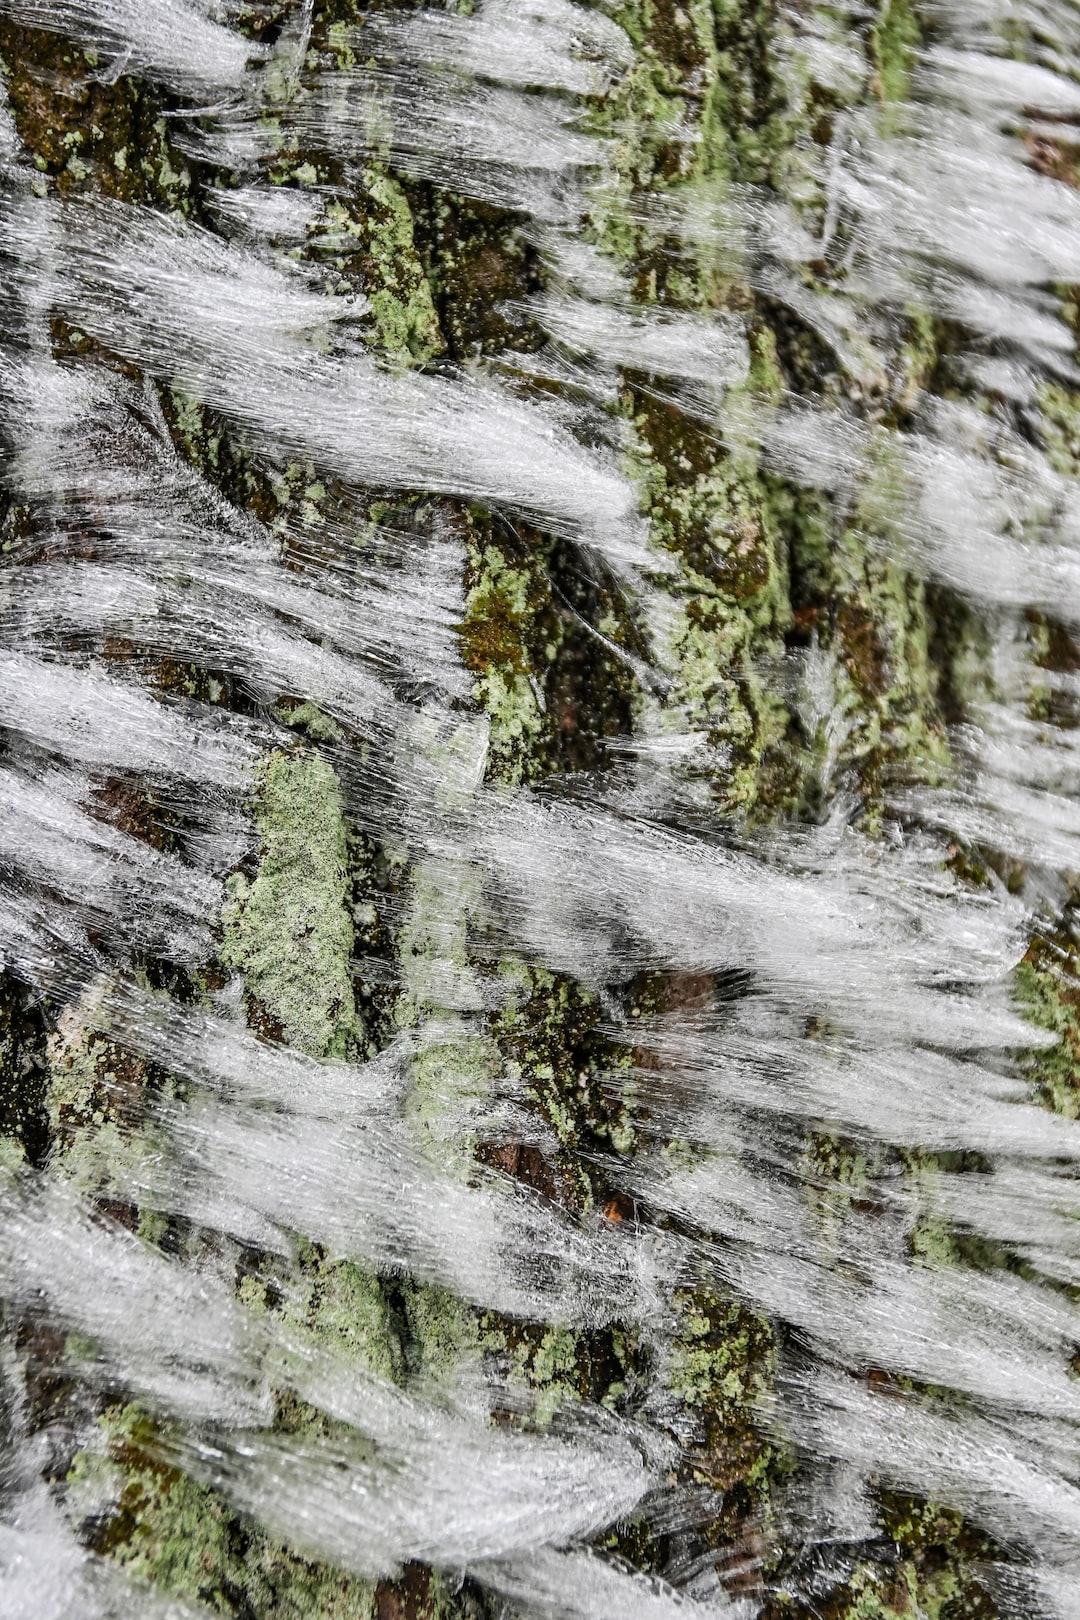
point(870, 994)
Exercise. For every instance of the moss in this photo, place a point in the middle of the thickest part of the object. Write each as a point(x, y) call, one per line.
point(289, 928)
point(1059, 427)
point(874, 622)
point(334, 1303)
point(836, 1177)
point(713, 512)
point(925, 1567)
point(96, 1094)
point(549, 1031)
point(544, 1370)
point(212, 446)
point(481, 265)
point(442, 1338)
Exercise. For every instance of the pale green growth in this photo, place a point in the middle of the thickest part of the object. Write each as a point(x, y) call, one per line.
point(730, 607)
point(720, 1365)
point(498, 609)
point(718, 1354)
point(1060, 428)
point(166, 1529)
point(406, 324)
point(335, 1304)
point(94, 1094)
point(455, 1062)
point(871, 1593)
point(310, 719)
point(12, 1158)
point(443, 1337)
point(434, 957)
point(894, 40)
point(542, 1367)
point(884, 710)
point(917, 358)
point(1048, 992)
point(836, 1175)
point(933, 1240)
point(289, 930)
point(453, 1068)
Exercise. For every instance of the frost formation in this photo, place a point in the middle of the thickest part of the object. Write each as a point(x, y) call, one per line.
point(481, 1141)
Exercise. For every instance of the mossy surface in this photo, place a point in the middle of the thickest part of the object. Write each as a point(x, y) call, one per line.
point(721, 1364)
point(926, 1568)
point(368, 245)
point(550, 1036)
point(1060, 428)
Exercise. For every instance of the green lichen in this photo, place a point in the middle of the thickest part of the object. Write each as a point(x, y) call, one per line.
point(401, 301)
point(759, 566)
point(95, 1096)
point(480, 265)
point(712, 511)
point(837, 1177)
point(86, 135)
point(894, 40)
point(542, 637)
point(544, 1364)
point(335, 1304)
point(550, 1369)
point(707, 73)
point(1048, 992)
point(434, 941)
point(366, 243)
point(550, 1033)
point(873, 620)
point(1060, 428)
point(502, 601)
point(720, 1365)
point(442, 1338)
point(926, 1568)
point(289, 929)
point(212, 446)
point(179, 1536)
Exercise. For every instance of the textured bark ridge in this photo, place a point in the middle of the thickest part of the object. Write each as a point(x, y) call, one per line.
point(539, 685)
